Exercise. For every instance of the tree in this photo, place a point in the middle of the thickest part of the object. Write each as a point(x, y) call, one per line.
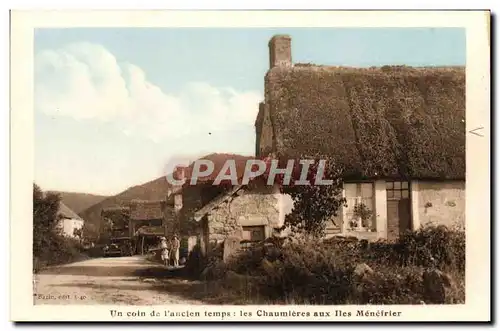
point(45, 210)
point(89, 231)
point(314, 205)
point(49, 246)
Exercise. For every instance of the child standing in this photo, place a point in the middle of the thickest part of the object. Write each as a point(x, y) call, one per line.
point(164, 251)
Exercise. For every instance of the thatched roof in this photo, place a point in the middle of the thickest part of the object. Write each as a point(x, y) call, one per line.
point(65, 212)
point(376, 122)
point(147, 209)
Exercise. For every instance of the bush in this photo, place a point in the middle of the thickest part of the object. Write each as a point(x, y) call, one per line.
point(430, 246)
point(313, 274)
point(195, 263)
point(60, 250)
point(433, 246)
point(324, 272)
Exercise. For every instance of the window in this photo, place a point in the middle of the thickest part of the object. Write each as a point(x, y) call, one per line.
point(253, 233)
point(397, 190)
point(360, 194)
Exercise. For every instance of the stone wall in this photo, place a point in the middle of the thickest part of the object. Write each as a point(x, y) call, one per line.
point(246, 208)
point(441, 203)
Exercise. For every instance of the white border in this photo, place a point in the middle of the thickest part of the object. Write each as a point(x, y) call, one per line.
point(477, 205)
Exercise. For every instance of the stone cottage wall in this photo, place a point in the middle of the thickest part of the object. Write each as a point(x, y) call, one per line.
point(247, 208)
point(439, 203)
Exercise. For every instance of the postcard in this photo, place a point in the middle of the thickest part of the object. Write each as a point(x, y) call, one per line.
point(250, 166)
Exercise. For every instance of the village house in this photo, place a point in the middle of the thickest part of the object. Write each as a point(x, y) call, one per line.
point(248, 213)
point(214, 212)
point(69, 223)
point(399, 133)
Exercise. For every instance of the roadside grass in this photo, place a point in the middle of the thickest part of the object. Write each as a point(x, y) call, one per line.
point(57, 251)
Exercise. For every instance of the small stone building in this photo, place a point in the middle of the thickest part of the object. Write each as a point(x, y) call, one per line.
point(213, 213)
point(247, 213)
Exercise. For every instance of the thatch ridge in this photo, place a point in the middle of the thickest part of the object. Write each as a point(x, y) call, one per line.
point(66, 212)
point(385, 68)
point(390, 121)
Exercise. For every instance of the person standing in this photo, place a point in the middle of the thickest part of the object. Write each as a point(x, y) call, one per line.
point(174, 250)
point(164, 251)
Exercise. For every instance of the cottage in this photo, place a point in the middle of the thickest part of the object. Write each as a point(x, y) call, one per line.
point(69, 223)
point(213, 212)
point(248, 213)
point(399, 133)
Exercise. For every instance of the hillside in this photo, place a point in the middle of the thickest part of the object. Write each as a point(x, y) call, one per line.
point(153, 190)
point(79, 202)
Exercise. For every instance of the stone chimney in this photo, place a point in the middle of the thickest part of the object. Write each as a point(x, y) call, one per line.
point(280, 51)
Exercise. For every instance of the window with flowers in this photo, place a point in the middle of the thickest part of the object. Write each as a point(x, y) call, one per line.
point(360, 206)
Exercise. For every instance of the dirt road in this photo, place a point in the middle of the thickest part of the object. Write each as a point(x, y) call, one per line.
point(114, 281)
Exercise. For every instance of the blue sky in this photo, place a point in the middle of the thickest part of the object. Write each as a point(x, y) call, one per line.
point(117, 107)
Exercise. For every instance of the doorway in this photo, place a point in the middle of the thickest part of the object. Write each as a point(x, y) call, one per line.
point(398, 208)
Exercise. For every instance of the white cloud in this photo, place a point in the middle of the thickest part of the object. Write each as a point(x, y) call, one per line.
point(85, 81)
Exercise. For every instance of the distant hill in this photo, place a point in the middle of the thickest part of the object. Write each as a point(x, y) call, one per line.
point(78, 202)
point(154, 190)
